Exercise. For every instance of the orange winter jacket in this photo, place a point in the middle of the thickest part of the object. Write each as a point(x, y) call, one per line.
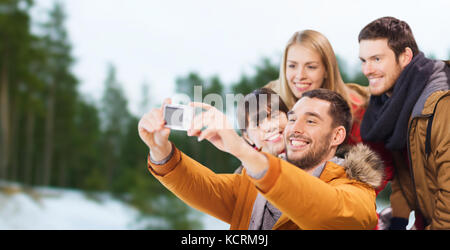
point(342, 198)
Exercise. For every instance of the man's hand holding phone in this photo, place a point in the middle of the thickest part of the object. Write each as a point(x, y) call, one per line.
point(155, 134)
point(213, 126)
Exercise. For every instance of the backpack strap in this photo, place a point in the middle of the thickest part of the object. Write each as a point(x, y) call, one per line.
point(428, 134)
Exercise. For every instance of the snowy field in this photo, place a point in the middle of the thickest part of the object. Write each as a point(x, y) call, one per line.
point(54, 209)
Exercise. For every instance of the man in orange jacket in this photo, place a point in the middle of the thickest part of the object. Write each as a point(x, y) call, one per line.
point(314, 190)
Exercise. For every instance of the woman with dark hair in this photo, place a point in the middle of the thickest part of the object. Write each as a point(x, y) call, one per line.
point(262, 117)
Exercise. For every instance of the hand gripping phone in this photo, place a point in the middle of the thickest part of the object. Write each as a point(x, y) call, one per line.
point(177, 116)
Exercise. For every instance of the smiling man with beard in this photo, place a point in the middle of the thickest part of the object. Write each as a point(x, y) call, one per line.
point(308, 138)
point(317, 191)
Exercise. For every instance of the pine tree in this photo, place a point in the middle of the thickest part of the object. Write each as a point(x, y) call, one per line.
point(61, 94)
point(115, 119)
point(14, 48)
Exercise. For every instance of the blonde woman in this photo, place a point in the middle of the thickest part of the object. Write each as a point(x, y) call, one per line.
point(309, 63)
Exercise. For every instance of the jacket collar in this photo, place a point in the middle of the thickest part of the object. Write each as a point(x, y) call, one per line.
point(437, 85)
point(360, 164)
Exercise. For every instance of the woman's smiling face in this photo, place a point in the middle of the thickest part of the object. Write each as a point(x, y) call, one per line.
point(268, 134)
point(304, 69)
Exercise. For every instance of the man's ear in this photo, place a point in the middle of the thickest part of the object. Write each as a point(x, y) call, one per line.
point(338, 138)
point(405, 57)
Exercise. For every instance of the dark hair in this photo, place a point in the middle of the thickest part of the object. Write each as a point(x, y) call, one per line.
point(339, 109)
point(263, 100)
point(397, 32)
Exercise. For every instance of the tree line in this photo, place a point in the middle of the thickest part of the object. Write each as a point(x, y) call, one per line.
point(51, 135)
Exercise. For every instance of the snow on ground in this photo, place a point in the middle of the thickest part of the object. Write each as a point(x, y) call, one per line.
point(55, 209)
point(63, 209)
point(212, 223)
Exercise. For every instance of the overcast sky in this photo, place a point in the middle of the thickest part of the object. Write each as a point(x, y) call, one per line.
point(156, 41)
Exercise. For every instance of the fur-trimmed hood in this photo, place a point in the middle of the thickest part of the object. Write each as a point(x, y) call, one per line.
point(363, 164)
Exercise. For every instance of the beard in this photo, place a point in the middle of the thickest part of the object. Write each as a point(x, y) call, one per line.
point(313, 156)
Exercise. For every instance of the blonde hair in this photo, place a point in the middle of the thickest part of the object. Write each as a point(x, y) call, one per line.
point(319, 43)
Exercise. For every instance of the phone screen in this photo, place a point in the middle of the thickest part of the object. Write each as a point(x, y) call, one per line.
point(174, 116)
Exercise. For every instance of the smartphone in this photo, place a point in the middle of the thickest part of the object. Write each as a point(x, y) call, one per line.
point(178, 117)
